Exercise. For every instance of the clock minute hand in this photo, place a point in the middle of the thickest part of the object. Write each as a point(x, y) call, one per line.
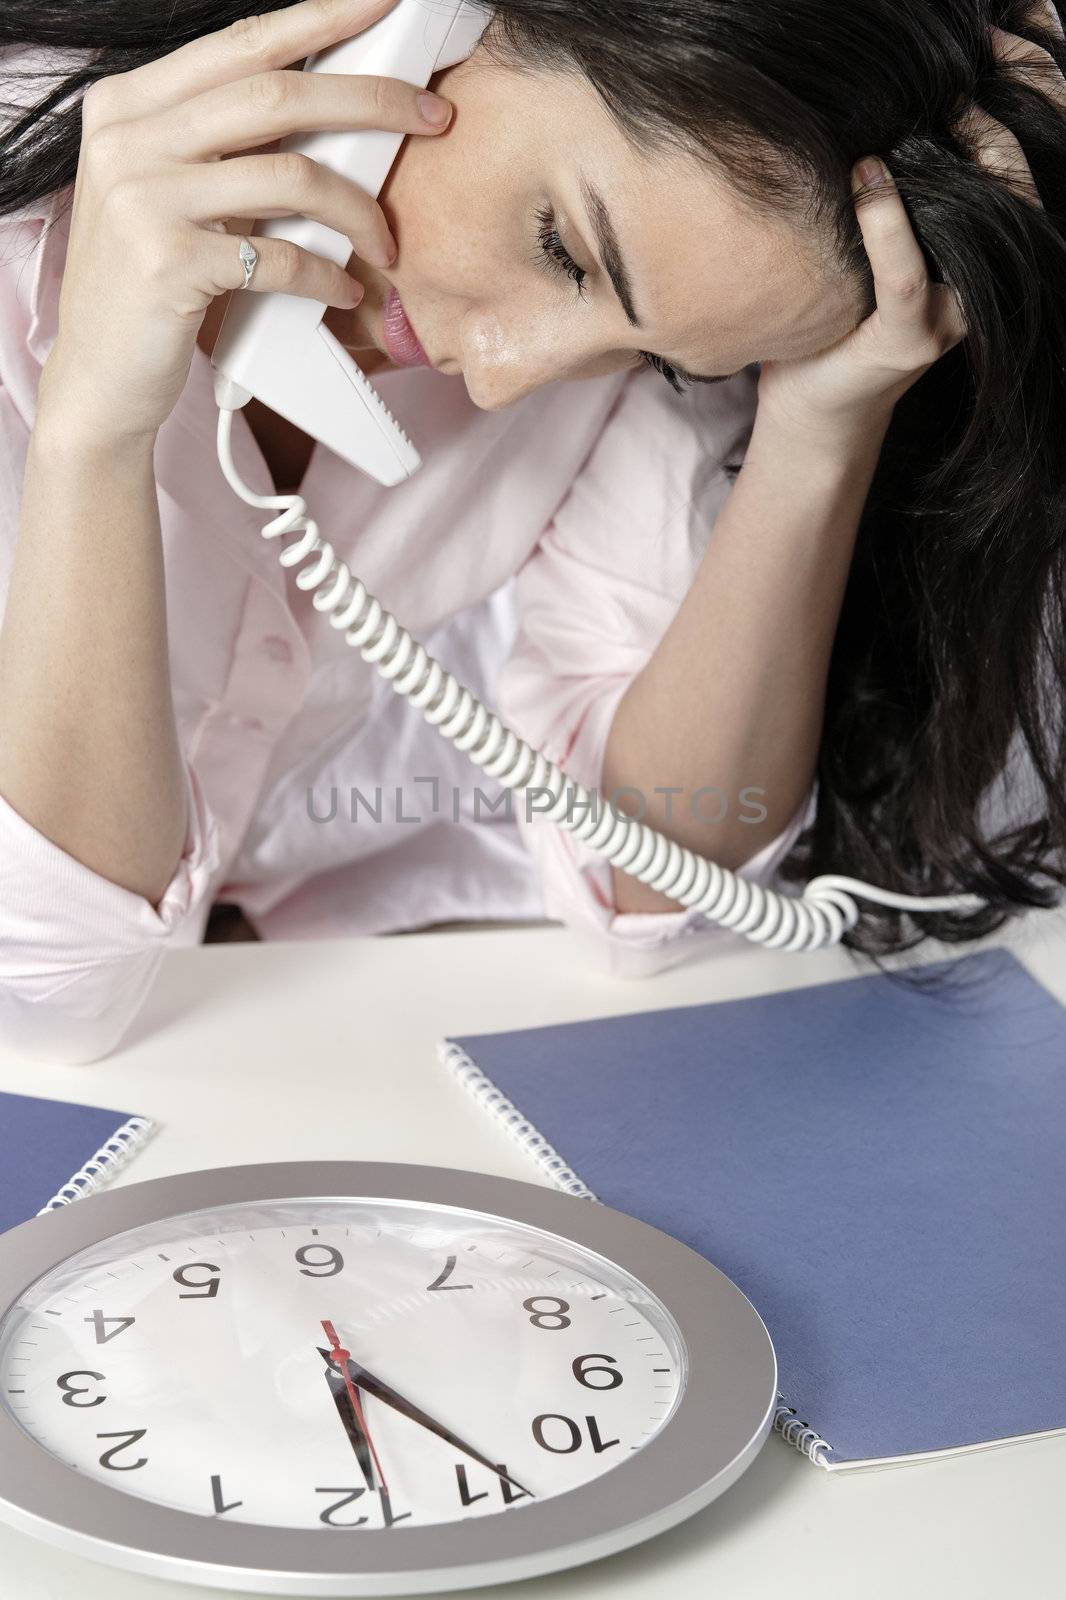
point(382, 1391)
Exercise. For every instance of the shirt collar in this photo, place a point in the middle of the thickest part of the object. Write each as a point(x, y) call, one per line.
point(52, 217)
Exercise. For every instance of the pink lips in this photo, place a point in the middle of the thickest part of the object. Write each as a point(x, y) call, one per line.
point(399, 337)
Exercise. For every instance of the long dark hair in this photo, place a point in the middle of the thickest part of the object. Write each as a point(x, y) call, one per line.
point(943, 757)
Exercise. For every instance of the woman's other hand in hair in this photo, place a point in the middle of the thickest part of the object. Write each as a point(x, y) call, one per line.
point(850, 389)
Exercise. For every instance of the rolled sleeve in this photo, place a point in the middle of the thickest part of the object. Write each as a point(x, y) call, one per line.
point(78, 953)
point(594, 600)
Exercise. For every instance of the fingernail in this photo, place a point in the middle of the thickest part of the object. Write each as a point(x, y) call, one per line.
point(871, 172)
point(434, 110)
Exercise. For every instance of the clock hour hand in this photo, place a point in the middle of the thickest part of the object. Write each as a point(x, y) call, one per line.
point(340, 1388)
point(391, 1397)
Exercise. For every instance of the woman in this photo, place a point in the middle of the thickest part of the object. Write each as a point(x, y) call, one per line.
point(709, 188)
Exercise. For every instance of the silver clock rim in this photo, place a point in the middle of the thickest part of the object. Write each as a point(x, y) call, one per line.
point(696, 1456)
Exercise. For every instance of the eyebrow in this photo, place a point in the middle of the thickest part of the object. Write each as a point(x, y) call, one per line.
point(610, 254)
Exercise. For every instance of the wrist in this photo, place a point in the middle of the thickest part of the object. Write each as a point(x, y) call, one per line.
point(856, 431)
point(68, 423)
point(61, 432)
point(848, 431)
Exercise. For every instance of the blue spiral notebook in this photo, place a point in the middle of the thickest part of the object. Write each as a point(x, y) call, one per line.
point(880, 1168)
point(54, 1152)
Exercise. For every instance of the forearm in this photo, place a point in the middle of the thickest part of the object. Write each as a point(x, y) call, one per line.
point(733, 697)
point(89, 752)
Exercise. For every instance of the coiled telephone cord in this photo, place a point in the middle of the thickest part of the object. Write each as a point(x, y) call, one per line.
point(820, 916)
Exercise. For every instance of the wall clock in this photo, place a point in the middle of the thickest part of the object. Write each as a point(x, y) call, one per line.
point(338, 1378)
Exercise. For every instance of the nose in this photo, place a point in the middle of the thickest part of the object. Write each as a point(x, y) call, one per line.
point(505, 360)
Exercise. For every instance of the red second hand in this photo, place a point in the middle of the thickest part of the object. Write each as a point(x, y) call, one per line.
point(341, 1357)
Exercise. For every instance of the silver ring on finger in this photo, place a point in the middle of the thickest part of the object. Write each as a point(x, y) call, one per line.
point(249, 260)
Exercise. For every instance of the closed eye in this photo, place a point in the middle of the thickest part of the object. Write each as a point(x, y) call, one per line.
point(553, 254)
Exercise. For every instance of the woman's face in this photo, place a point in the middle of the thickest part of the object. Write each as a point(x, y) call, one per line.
point(700, 278)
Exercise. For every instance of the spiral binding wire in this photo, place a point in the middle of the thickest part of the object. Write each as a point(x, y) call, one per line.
point(466, 1071)
point(485, 1092)
point(100, 1168)
point(799, 1434)
point(820, 916)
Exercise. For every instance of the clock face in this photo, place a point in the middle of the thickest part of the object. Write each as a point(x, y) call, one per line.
point(340, 1364)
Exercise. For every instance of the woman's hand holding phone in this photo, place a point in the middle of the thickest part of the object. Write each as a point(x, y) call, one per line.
point(148, 248)
point(849, 390)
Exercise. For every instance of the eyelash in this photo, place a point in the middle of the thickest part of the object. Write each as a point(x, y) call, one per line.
point(553, 254)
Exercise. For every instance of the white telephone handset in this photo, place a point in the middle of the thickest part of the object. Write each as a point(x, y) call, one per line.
point(276, 348)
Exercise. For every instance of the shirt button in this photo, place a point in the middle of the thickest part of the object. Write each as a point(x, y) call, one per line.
point(277, 648)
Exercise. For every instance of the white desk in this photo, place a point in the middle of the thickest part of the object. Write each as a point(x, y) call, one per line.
point(269, 1052)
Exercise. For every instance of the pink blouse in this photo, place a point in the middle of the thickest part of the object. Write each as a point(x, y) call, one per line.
point(541, 551)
